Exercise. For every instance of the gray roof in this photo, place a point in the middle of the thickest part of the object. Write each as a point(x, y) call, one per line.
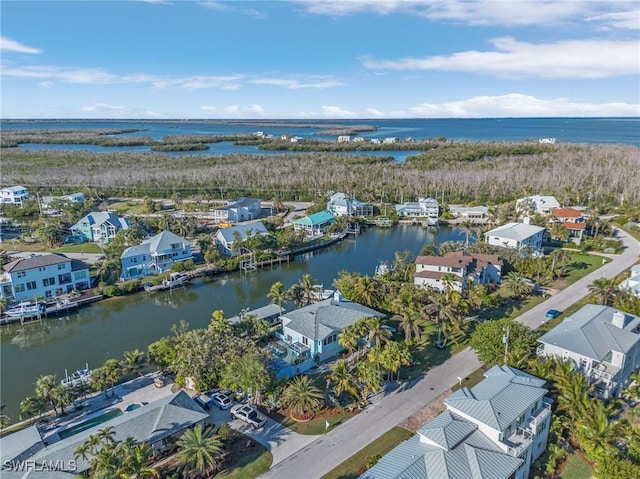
point(158, 243)
point(321, 319)
point(260, 313)
point(136, 250)
point(590, 332)
point(515, 231)
point(501, 398)
point(243, 202)
point(35, 261)
point(14, 189)
point(20, 444)
point(100, 217)
point(245, 231)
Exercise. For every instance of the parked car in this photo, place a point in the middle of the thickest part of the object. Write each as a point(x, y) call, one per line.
point(553, 313)
point(221, 400)
point(203, 401)
point(248, 414)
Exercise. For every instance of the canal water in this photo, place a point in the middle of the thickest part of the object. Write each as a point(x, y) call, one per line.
point(109, 328)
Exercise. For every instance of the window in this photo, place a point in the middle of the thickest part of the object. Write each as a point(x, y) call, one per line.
point(48, 281)
point(80, 274)
point(61, 265)
point(31, 285)
point(42, 268)
point(64, 278)
point(21, 274)
point(305, 341)
point(19, 288)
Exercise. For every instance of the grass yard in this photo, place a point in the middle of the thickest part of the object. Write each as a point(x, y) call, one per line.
point(315, 426)
point(357, 464)
point(248, 465)
point(79, 248)
point(576, 467)
point(581, 265)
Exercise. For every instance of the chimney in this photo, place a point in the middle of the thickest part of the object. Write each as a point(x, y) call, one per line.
point(337, 296)
point(619, 319)
point(526, 220)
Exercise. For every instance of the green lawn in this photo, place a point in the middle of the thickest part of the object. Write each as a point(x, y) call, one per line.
point(576, 468)
point(318, 424)
point(250, 466)
point(79, 248)
point(357, 464)
point(581, 265)
point(128, 208)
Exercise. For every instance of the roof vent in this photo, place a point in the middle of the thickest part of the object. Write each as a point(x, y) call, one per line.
point(619, 319)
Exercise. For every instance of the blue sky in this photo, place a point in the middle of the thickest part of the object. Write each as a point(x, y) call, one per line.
point(319, 59)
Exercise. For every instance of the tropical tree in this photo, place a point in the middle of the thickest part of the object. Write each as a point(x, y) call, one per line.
point(377, 334)
point(595, 432)
point(491, 339)
point(369, 379)
point(247, 372)
point(44, 390)
point(342, 379)
point(296, 295)
point(5, 419)
point(199, 452)
point(218, 322)
point(113, 372)
point(277, 294)
point(469, 228)
point(393, 356)
point(559, 232)
point(32, 406)
point(302, 398)
point(516, 284)
point(409, 315)
point(604, 290)
point(349, 338)
point(367, 289)
point(134, 361)
point(309, 289)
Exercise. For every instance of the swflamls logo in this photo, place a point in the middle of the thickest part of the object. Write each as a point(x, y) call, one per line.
point(40, 466)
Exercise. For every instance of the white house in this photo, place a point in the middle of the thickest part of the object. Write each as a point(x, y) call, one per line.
point(43, 276)
point(46, 201)
point(99, 226)
point(469, 212)
point(632, 284)
point(463, 266)
point(517, 236)
point(424, 208)
point(341, 204)
point(225, 237)
point(602, 342)
point(537, 204)
point(154, 255)
point(344, 139)
point(494, 430)
point(14, 195)
point(315, 224)
point(238, 210)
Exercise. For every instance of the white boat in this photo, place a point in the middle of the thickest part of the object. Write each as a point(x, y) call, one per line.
point(77, 377)
point(26, 309)
point(547, 141)
point(383, 268)
point(175, 280)
point(319, 293)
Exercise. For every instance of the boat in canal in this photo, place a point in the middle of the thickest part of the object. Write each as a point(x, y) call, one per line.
point(77, 377)
point(175, 280)
point(24, 310)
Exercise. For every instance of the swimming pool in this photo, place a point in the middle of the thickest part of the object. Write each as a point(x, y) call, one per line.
point(89, 423)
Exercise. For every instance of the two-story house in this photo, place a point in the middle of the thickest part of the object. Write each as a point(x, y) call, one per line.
point(43, 276)
point(154, 255)
point(423, 208)
point(632, 283)
point(341, 204)
point(462, 267)
point(13, 195)
point(226, 237)
point(601, 342)
point(572, 220)
point(494, 430)
point(238, 210)
point(518, 236)
point(315, 224)
point(99, 227)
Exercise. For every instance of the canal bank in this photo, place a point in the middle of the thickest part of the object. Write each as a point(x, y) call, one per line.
point(109, 328)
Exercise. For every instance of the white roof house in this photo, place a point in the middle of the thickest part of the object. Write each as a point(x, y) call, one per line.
point(341, 204)
point(424, 207)
point(494, 430)
point(154, 255)
point(225, 237)
point(601, 341)
point(632, 284)
point(516, 236)
point(537, 204)
point(14, 195)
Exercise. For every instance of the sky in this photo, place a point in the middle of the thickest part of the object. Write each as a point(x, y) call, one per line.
point(319, 59)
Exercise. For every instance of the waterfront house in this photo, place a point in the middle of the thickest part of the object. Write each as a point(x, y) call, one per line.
point(572, 220)
point(341, 204)
point(518, 236)
point(238, 210)
point(472, 213)
point(226, 237)
point(43, 276)
point(154, 255)
point(602, 342)
point(537, 204)
point(159, 423)
point(632, 283)
point(99, 227)
point(494, 430)
point(315, 224)
point(269, 313)
point(423, 208)
point(313, 330)
point(13, 195)
point(462, 267)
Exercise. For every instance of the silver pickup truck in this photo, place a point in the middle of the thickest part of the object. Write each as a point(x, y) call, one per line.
point(248, 414)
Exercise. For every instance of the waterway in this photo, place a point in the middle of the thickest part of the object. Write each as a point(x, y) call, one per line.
point(109, 328)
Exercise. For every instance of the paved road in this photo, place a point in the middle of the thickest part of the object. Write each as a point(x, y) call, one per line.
point(331, 449)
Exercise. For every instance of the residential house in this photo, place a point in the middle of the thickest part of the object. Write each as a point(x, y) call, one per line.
point(472, 213)
point(99, 227)
point(238, 210)
point(461, 266)
point(423, 208)
point(572, 220)
point(632, 284)
point(43, 276)
point(159, 423)
point(315, 224)
point(390, 140)
point(14, 195)
point(154, 255)
point(537, 204)
point(494, 430)
point(602, 342)
point(518, 236)
point(313, 330)
point(225, 237)
point(270, 313)
point(344, 139)
point(46, 201)
point(341, 204)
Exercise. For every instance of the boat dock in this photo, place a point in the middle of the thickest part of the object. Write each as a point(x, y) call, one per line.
point(61, 306)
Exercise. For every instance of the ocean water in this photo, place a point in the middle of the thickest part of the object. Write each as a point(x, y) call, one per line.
point(564, 130)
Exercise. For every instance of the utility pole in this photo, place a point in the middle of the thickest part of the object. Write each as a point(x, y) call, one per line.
point(505, 340)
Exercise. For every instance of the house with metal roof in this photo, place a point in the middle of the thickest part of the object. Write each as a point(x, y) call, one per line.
point(518, 236)
point(158, 423)
point(632, 283)
point(270, 313)
point(423, 208)
point(461, 266)
point(43, 276)
point(99, 226)
point(494, 430)
point(341, 204)
point(314, 329)
point(315, 224)
point(475, 213)
point(602, 342)
point(154, 255)
point(13, 195)
point(238, 210)
point(537, 204)
point(226, 237)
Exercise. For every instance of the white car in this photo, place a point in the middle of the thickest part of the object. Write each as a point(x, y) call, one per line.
point(248, 414)
point(221, 400)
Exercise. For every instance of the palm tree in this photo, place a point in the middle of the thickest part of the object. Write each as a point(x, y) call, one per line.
point(113, 372)
point(393, 356)
point(369, 378)
point(516, 284)
point(469, 228)
point(559, 232)
point(295, 294)
point(377, 335)
point(200, 451)
point(367, 290)
point(349, 338)
point(410, 317)
point(342, 379)
point(559, 258)
point(277, 294)
point(30, 406)
point(604, 290)
point(44, 388)
point(309, 289)
point(137, 461)
point(302, 398)
point(134, 361)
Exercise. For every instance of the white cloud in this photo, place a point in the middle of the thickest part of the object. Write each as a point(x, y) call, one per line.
point(225, 7)
point(104, 110)
point(566, 59)
point(627, 20)
point(295, 84)
point(64, 74)
point(518, 105)
point(217, 6)
point(257, 109)
point(233, 110)
point(209, 108)
point(101, 107)
point(374, 112)
point(8, 45)
point(336, 112)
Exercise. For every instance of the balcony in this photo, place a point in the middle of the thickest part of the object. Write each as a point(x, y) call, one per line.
point(538, 417)
point(518, 442)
